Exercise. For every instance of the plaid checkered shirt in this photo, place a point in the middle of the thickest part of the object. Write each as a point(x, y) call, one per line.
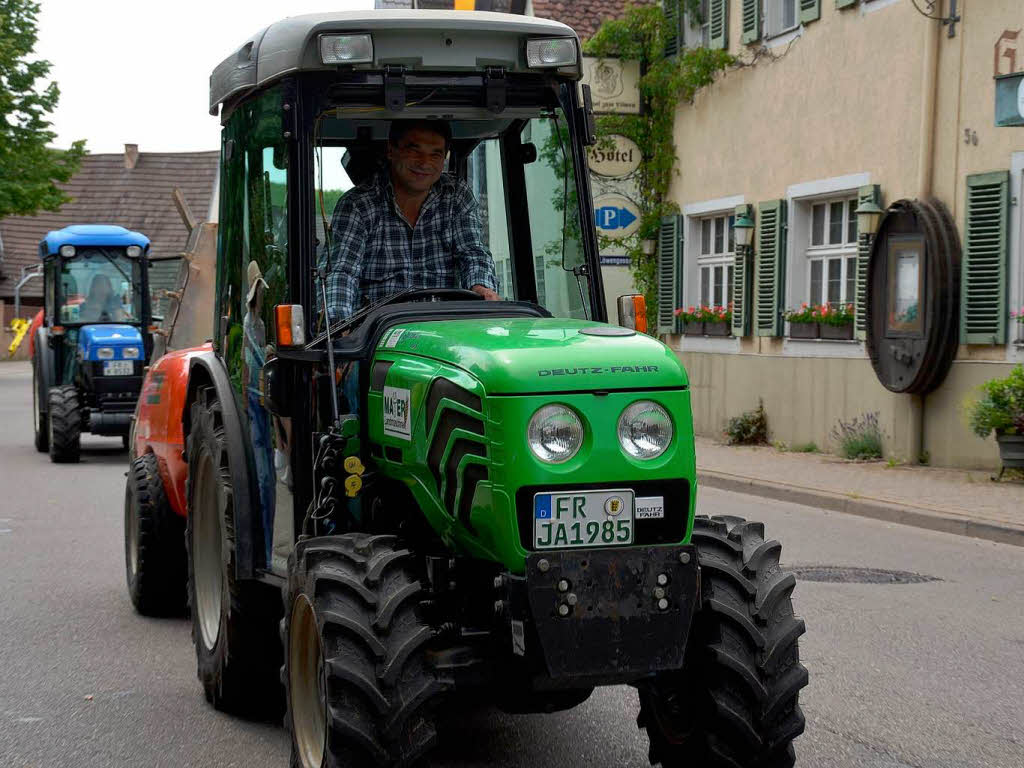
point(375, 253)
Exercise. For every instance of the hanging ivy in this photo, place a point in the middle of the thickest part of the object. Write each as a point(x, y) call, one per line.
point(641, 35)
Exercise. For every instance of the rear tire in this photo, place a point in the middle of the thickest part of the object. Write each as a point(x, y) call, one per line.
point(65, 425)
point(39, 419)
point(735, 701)
point(154, 543)
point(360, 692)
point(234, 623)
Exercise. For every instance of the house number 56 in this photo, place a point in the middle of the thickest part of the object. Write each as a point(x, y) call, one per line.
point(970, 137)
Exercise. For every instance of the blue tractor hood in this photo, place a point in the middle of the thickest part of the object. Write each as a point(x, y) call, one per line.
point(91, 338)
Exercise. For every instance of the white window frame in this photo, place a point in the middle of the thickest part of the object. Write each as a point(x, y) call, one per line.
point(696, 35)
point(827, 252)
point(713, 262)
point(774, 25)
point(1015, 294)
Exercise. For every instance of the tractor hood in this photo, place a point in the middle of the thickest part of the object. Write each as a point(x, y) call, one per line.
point(537, 355)
point(117, 338)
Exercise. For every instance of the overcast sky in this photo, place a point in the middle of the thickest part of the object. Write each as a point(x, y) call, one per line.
point(137, 71)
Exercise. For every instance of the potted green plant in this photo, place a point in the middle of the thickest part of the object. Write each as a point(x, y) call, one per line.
point(717, 320)
point(692, 319)
point(836, 321)
point(803, 322)
point(1019, 325)
point(1001, 410)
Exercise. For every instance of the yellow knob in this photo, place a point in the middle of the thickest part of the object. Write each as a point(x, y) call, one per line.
point(353, 483)
point(354, 466)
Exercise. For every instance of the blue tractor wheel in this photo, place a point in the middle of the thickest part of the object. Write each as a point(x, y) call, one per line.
point(65, 425)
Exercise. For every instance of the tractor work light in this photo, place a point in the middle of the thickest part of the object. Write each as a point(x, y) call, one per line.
point(133, 251)
point(346, 49)
point(550, 52)
point(67, 251)
point(105, 353)
point(555, 434)
point(645, 430)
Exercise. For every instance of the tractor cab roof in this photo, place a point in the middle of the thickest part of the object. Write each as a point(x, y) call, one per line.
point(419, 41)
point(90, 234)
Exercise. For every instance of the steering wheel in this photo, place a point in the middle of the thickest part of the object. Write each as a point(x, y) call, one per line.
point(439, 294)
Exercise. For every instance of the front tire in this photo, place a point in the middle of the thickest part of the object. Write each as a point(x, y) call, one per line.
point(735, 701)
point(154, 543)
point(64, 425)
point(360, 692)
point(234, 623)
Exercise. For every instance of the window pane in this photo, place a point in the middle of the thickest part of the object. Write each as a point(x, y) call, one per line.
point(732, 234)
point(719, 234)
point(851, 280)
point(835, 282)
point(705, 285)
point(717, 298)
point(816, 282)
point(788, 13)
point(835, 223)
point(818, 225)
point(705, 236)
point(851, 221)
point(728, 285)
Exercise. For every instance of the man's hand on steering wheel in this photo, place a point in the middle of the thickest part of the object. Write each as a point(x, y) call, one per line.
point(486, 292)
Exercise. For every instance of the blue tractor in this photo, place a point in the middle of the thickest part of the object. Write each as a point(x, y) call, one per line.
point(90, 349)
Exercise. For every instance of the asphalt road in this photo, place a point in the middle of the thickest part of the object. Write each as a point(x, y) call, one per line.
point(929, 675)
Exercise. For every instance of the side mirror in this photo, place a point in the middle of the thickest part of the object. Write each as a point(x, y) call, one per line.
point(527, 153)
point(589, 123)
point(633, 312)
point(274, 386)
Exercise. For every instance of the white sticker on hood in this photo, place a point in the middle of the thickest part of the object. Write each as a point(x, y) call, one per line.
point(392, 341)
point(650, 507)
point(396, 412)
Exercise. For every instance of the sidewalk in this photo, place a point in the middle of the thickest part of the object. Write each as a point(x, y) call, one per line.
point(951, 500)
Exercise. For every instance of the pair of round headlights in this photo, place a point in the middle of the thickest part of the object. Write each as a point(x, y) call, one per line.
point(555, 432)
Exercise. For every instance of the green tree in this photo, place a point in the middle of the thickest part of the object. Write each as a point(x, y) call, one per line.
point(30, 169)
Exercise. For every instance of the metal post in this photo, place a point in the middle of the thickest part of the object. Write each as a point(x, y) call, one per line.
point(24, 279)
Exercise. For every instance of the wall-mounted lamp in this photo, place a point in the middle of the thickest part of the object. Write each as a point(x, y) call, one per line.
point(869, 216)
point(930, 12)
point(744, 229)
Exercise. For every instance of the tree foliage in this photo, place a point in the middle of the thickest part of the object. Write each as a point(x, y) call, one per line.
point(641, 34)
point(29, 168)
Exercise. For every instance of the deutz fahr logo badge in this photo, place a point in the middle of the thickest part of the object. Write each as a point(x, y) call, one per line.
point(396, 412)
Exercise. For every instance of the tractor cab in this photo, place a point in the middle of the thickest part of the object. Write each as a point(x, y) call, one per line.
point(94, 341)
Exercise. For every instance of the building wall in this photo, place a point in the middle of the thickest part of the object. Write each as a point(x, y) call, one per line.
point(838, 104)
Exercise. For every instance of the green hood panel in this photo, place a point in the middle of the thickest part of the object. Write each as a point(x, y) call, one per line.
point(536, 355)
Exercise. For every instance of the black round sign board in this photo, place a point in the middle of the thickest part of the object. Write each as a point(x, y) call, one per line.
point(913, 296)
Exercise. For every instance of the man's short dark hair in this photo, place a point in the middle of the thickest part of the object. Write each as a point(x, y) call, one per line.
point(401, 127)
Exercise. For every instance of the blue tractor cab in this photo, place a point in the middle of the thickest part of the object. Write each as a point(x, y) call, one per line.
point(94, 341)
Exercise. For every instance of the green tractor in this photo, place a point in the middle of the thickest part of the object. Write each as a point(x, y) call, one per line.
point(441, 496)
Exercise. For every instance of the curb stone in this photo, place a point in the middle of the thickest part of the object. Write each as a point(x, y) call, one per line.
point(879, 509)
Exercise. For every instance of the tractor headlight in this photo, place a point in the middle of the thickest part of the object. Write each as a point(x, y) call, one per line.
point(346, 49)
point(130, 353)
point(645, 430)
point(134, 251)
point(550, 52)
point(67, 251)
point(555, 434)
point(105, 353)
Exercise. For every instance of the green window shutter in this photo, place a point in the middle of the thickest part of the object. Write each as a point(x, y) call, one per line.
point(770, 268)
point(670, 257)
point(718, 23)
point(751, 21)
point(845, 4)
point(986, 256)
point(673, 29)
point(871, 193)
point(810, 10)
point(742, 282)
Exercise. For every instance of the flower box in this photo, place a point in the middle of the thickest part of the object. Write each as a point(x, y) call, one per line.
point(717, 329)
point(693, 329)
point(837, 332)
point(803, 330)
point(1011, 450)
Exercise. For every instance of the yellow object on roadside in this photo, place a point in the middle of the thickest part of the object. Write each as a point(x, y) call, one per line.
point(20, 327)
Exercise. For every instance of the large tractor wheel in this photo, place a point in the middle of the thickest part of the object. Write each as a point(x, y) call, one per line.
point(360, 693)
point(234, 623)
point(65, 425)
point(39, 419)
point(154, 543)
point(734, 703)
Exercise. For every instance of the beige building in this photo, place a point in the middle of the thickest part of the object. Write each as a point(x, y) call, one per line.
point(844, 98)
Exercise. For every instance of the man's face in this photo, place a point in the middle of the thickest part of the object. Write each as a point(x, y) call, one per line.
point(417, 160)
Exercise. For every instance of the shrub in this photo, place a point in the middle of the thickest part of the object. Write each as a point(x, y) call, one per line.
point(750, 428)
point(860, 438)
point(1001, 408)
point(805, 448)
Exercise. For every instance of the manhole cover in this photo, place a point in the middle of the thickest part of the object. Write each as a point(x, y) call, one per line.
point(839, 574)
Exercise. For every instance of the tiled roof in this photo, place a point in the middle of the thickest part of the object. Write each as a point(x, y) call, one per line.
point(585, 16)
point(104, 191)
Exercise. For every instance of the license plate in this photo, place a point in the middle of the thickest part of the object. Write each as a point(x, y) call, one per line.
point(117, 368)
point(567, 520)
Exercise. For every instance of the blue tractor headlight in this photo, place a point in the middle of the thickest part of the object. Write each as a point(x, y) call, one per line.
point(105, 353)
point(130, 353)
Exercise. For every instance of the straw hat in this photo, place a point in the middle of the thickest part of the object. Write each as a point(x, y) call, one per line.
point(255, 277)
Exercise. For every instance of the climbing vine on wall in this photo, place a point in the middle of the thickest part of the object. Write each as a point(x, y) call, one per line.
point(641, 34)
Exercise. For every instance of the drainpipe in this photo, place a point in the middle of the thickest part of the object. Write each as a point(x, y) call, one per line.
point(925, 175)
point(38, 272)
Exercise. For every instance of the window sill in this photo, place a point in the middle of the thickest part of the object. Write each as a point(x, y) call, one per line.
point(729, 345)
point(823, 348)
point(783, 38)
